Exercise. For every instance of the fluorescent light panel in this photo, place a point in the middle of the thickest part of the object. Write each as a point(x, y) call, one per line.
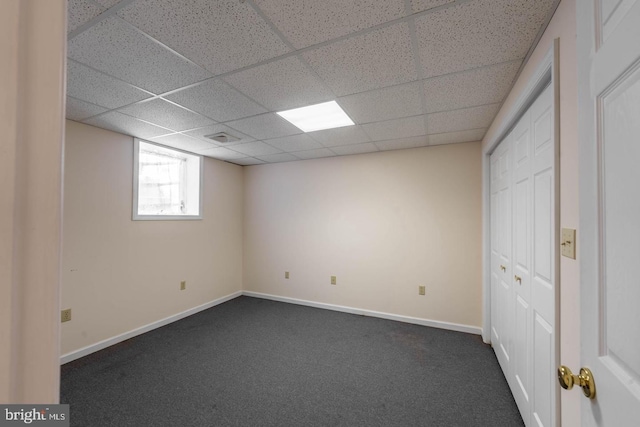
point(327, 115)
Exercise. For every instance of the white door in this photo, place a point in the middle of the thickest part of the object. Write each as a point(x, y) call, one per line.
point(501, 255)
point(609, 235)
point(521, 376)
point(523, 261)
point(533, 384)
point(542, 280)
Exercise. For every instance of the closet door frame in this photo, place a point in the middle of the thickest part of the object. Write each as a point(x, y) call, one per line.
point(546, 73)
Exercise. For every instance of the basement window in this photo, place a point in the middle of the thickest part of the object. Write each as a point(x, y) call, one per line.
point(167, 183)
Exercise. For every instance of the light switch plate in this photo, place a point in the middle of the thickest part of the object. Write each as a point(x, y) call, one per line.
point(286, 274)
point(568, 243)
point(333, 280)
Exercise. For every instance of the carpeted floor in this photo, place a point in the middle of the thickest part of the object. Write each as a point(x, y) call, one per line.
point(254, 362)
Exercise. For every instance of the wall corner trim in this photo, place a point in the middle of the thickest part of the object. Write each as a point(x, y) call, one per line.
point(362, 312)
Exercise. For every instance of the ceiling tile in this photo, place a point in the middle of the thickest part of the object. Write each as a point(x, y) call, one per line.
point(314, 154)
point(247, 161)
point(277, 158)
point(395, 129)
point(455, 137)
point(91, 86)
point(340, 136)
point(163, 113)
point(470, 88)
point(294, 143)
point(256, 148)
point(183, 142)
point(470, 52)
point(420, 5)
point(221, 153)
point(400, 144)
point(478, 33)
point(344, 150)
point(127, 125)
point(221, 36)
point(464, 119)
point(210, 130)
point(371, 61)
point(384, 104)
point(115, 48)
point(80, 110)
point(307, 22)
point(217, 100)
point(281, 85)
point(265, 126)
point(80, 12)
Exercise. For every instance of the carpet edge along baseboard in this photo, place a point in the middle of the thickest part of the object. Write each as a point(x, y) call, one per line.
point(76, 354)
point(371, 313)
point(84, 351)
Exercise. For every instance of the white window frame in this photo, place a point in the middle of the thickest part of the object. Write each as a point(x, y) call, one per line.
point(136, 164)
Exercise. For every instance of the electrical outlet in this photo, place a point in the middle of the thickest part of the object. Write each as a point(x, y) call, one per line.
point(183, 285)
point(421, 290)
point(65, 315)
point(286, 274)
point(333, 280)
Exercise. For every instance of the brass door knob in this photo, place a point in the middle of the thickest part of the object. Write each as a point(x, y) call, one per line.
point(518, 279)
point(585, 380)
point(503, 268)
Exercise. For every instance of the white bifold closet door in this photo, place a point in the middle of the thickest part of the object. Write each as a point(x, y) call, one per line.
point(522, 261)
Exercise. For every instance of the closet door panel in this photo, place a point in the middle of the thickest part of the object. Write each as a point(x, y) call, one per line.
point(523, 261)
point(544, 382)
point(543, 291)
point(501, 254)
point(521, 278)
point(543, 261)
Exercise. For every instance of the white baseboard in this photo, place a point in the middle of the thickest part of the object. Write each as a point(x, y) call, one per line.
point(65, 358)
point(406, 319)
point(359, 311)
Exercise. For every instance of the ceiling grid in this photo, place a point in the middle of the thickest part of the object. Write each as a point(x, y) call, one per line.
point(409, 73)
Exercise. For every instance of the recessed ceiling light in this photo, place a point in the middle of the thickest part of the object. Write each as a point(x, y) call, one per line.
point(327, 115)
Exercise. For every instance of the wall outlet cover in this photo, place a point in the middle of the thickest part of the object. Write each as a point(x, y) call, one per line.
point(568, 243)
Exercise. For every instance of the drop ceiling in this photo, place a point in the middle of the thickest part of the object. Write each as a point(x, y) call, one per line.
point(409, 73)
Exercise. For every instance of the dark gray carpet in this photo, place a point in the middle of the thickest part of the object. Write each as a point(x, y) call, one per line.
point(253, 362)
